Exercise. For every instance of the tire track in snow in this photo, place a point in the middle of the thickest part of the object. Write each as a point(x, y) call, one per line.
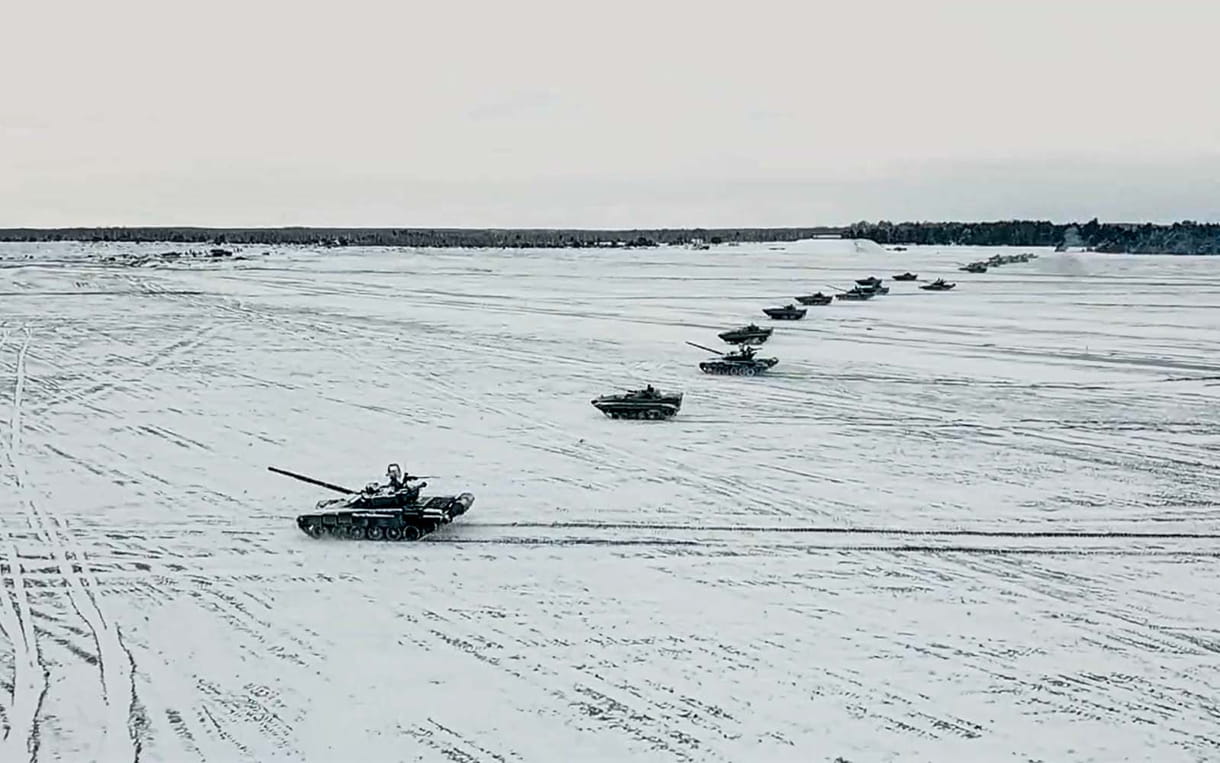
point(120, 737)
point(30, 675)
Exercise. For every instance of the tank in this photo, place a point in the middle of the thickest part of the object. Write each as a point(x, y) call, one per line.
point(786, 313)
point(908, 276)
point(751, 334)
point(392, 512)
point(856, 294)
point(740, 362)
point(975, 267)
point(870, 281)
point(815, 299)
point(938, 285)
point(647, 403)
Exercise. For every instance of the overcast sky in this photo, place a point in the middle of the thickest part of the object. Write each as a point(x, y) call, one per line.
point(632, 113)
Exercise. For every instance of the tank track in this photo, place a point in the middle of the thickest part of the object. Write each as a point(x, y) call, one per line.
point(718, 368)
point(652, 414)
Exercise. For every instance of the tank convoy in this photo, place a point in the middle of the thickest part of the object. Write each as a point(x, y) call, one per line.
point(648, 403)
point(750, 334)
point(741, 362)
point(789, 312)
point(393, 512)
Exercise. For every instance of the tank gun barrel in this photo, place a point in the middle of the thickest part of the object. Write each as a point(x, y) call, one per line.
point(701, 347)
point(312, 481)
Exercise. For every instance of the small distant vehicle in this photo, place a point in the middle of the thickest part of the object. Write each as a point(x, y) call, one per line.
point(870, 281)
point(750, 334)
point(815, 299)
point(908, 276)
point(856, 295)
point(392, 512)
point(975, 267)
point(648, 403)
point(788, 312)
point(938, 285)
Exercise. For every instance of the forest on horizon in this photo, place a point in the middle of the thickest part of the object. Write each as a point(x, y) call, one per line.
point(1185, 237)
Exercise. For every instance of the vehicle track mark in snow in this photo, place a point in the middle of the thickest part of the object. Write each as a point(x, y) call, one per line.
point(30, 675)
point(121, 740)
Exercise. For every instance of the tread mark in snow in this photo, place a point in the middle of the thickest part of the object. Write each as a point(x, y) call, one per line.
point(115, 662)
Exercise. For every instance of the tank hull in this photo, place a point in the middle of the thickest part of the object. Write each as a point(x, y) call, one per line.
point(738, 367)
point(784, 314)
point(356, 519)
point(815, 299)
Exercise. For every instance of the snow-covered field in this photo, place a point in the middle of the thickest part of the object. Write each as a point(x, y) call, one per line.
point(847, 557)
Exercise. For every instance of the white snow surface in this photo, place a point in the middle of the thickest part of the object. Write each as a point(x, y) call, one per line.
point(730, 585)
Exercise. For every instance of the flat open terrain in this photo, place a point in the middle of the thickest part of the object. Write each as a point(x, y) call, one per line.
point(844, 558)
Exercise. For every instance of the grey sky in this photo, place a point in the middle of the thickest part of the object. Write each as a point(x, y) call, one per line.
point(632, 113)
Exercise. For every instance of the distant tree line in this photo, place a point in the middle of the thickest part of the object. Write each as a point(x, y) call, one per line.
point(417, 237)
point(1187, 237)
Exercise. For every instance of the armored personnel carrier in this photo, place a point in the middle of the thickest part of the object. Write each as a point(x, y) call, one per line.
point(788, 312)
point(815, 299)
point(938, 285)
point(751, 334)
point(647, 403)
point(739, 363)
point(392, 512)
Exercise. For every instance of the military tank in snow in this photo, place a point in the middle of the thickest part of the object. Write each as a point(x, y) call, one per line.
point(856, 294)
point(741, 362)
point(815, 299)
point(393, 512)
point(938, 285)
point(648, 403)
point(750, 334)
point(907, 276)
point(788, 312)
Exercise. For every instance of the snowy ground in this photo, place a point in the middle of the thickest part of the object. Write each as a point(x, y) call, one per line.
point(726, 586)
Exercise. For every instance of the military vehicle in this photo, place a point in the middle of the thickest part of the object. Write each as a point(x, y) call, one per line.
point(788, 312)
point(856, 294)
point(393, 512)
point(647, 403)
point(938, 285)
point(815, 299)
point(975, 267)
point(874, 289)
point(870, 281)
point(908, 276)
point(739, 363)
point(751, 334)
